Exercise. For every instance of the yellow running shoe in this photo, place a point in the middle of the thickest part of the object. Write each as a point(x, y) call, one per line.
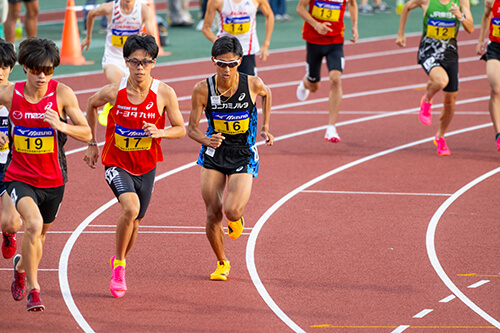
point(234, 229)
point(222, 271)
point(103, 116)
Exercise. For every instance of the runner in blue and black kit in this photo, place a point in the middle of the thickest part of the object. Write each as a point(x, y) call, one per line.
point(228, 153)
point(236, 119)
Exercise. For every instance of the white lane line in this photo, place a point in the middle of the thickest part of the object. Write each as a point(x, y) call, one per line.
point(401, 328)
point(431, 249)
point(250, 251)
point(40, 269)
point(447, 299)
point(478, 284)
point(378, 193)
point(423, 313)
point(64, 259)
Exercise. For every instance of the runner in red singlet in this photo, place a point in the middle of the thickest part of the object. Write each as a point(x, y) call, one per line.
point(132, 148)
point(35, 172)
point(491, 24)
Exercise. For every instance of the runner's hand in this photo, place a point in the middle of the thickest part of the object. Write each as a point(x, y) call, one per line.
point(481, 47)
point(3, 139)
point(52, 117)
point(151, 130)
point(455, 10)
point(91, 156)
point(323, 28)
point(216, 140)
point(401, 41)
point(354, 35)
point(85, 44)
point(268, 137)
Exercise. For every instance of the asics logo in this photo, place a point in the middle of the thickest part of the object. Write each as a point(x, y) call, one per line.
point(239, 169)
point(149, 106)
point(111, 173)
point(241, 97)
point(48, 106)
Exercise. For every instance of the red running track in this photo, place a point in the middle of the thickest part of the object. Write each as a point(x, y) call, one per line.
point(337, 238)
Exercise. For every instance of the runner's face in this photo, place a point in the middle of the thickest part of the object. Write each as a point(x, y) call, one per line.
point(139, 65)
point(39, 77)
point(225, 71)
point(4, 74)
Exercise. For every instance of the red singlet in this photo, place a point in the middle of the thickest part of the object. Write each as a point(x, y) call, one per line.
point(495, 22)
point(331, 11)
point(37, 155)
point(127, 145)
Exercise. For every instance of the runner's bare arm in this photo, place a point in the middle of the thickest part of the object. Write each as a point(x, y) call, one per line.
point(198, 104)
point(169, 103)
point(257, 87)
point(105, 9)
point(212, 7)
point(148, 19)
point(463, 12)
point(481, 45)
point(6, 93)
point(68, 107)
point(353, 11)
point(409, 6)
point(265, 8)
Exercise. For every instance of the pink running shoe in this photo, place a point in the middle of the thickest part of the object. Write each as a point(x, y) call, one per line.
point(9, 245)
point(34, 301)
point(442, 148)
point(118, 285)
point(425, 112)
point(498, 143)
point(18, 287)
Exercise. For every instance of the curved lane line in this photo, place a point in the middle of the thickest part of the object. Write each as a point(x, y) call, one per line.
point(431, 249)
point(252, 240)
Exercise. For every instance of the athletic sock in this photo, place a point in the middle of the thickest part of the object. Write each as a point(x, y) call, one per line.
point(119, 263)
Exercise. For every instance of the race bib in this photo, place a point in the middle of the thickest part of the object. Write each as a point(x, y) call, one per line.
point(231, 123)
point(237, 25)
point(440, 29)
point(6, 145)
point(34, 140)
point(131, 139)
point(495, 22)
point(326, 11)
point(118, 41)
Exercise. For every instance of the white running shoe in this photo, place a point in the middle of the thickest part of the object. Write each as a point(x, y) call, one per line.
point(331, 134)
point(302, 92)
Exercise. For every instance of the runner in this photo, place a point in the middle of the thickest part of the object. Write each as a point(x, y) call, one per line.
point(491, 20)
point(35, 173)
point(10, 220)
point(228, 152)
point(324, 33)
point(438, 55)
point(132, 149)
point(125, 18)
point(238, 19)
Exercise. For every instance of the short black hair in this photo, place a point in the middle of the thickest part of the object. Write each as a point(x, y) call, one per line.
point(138, 42)
point(8, 55)
point(227, 44)
point(36, 52)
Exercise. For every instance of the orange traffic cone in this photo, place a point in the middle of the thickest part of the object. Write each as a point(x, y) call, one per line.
point(156, 35)
point(71, 52)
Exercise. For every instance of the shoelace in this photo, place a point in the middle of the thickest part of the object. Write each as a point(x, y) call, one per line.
point(119, 275)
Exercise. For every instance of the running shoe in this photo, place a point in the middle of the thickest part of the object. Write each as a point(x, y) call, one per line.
point(18, 287)
point(9, 245)
point(34, 301)
point(331, 134)
point(302, 92)
point(222, 271)
point(498, 143)
point(234, 229)
point(103, 116)
point(118, 285)
point(442, 148)
point(425, 112)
